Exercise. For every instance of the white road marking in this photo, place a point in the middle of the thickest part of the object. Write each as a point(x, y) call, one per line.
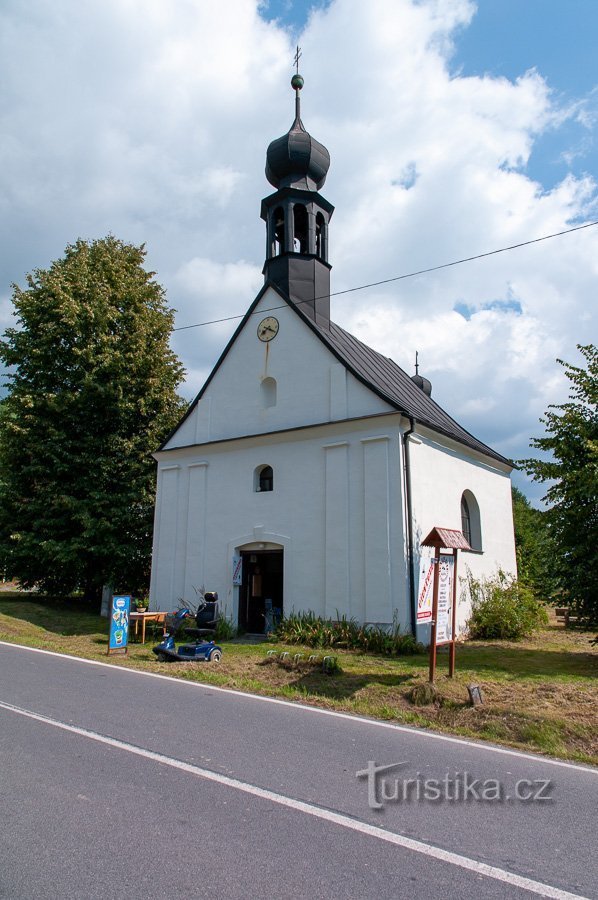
point(363, 720)
point(391, 837)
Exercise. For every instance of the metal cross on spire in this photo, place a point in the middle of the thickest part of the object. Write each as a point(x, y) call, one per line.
point(297, 84)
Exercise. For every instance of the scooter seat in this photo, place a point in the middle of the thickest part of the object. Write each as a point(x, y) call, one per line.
point(200, 632)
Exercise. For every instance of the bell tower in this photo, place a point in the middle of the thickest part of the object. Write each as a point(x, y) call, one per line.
point(297, 217)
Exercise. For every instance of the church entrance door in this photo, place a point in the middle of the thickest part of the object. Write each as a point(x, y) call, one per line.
point(260, 603)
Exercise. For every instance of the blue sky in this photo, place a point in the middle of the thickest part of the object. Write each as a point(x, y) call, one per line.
point(507, 37)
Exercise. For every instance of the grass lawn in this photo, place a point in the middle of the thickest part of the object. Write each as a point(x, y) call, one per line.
point(540, 694)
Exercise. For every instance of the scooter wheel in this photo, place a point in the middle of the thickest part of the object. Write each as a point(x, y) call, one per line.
point(215, 656)
point(162, 657)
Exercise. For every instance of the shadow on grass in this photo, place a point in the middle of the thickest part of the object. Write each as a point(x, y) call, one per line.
point(57, 616)
point(346, 684)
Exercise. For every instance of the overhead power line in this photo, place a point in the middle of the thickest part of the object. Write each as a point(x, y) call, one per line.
point(363, 287)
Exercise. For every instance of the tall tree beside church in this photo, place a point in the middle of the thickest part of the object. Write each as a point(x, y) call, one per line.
point(92, 392)
point(571, 471)
point(535, 551)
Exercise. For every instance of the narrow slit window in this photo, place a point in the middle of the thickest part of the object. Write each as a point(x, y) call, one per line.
point(320, 236)
point(300, 228)
point(278, 231)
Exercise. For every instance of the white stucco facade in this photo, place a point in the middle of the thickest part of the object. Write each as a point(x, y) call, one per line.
point(442, 471)
point(337, 509)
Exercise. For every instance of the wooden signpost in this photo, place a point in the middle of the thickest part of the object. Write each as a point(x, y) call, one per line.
point(444, 592)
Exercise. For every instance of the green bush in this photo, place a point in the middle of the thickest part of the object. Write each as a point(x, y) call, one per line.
point(503, 608)
point(225, 630)
point(311, 631)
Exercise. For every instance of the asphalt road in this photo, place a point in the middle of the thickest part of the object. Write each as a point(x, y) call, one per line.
point(116, 783)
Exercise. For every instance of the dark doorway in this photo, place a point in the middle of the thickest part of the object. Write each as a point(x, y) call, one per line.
point(260, 599)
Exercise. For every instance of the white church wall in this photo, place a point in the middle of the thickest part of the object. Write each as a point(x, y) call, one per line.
point(165, 530)
point(310, 384)
point(337, 526)
point(441, 473)
point(377, 513)
point(336, 508)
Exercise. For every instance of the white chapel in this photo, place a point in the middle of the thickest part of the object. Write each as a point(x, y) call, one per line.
point(309, 468)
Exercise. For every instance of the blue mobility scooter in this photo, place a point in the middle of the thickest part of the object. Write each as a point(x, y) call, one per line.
point(202, 650)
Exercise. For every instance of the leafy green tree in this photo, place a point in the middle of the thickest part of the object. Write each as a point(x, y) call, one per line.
point(571, 439)
point(92, 391)
point(533, 542)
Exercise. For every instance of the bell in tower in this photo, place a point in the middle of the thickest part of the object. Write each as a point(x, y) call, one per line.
point(297, 218)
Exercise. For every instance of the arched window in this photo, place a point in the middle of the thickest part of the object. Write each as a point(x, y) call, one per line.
point(300, 228)
point(263, 479)
point(268, 388)
point(278, 220)
point(470, 520)
point(320, 236)
point(465, 520)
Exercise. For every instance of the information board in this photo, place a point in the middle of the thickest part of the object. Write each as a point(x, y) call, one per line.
point(119, 622)
point(444, 591)
point(444, 617)
point(426, 589)
point(237, 569)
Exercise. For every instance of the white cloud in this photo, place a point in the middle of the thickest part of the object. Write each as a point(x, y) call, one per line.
point(151, 120)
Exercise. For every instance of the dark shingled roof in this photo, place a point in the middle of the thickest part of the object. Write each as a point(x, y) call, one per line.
point(446, 537)
point(396, 387)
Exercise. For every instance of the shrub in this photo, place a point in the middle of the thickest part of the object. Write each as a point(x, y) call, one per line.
point(225, 630)
point(503, 608)
point(309, 630)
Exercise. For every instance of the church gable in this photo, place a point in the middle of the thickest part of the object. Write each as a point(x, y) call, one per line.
point(276, 374)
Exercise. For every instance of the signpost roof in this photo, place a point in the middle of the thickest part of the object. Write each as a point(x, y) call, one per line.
point(446, 537)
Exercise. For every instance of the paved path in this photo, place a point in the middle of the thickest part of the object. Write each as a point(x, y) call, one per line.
point(122, 784)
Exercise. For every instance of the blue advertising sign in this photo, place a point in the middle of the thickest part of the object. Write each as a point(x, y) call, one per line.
point(119, 622)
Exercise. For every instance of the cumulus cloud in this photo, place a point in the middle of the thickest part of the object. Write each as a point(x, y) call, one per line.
point(150, 120)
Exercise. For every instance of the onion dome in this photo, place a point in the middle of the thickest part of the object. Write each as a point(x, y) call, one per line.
point(296, 159)
point(423, 384)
